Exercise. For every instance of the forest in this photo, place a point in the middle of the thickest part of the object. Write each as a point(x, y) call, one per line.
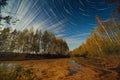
point(104, 40)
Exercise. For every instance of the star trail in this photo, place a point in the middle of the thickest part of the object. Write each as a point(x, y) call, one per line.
point(71, 20)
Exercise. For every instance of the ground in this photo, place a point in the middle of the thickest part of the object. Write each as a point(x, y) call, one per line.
point(62, 69)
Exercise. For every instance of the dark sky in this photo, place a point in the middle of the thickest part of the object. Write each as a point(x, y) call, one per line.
point(71, 20)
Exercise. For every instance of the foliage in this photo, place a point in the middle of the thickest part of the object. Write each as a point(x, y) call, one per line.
point(28, 41)
point(104, 40)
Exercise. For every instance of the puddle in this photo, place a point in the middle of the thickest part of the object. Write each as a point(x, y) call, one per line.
point(72, 62)
point(75, 67)
point(72, 72)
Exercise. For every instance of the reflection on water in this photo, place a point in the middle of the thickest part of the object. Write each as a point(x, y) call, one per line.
point(72, 62)
point(75, 67)
point(72, 72)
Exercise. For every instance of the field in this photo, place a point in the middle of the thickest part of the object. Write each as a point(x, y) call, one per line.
point(57, 69)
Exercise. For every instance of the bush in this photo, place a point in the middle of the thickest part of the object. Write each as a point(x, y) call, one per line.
point(9, 71)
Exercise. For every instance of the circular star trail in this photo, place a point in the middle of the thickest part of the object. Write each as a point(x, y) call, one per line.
point(71, 20)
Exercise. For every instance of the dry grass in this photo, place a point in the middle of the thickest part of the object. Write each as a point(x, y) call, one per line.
point(59, 69)
point(107, 68)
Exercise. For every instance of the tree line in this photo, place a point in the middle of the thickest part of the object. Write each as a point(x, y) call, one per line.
point(29, 41)
point(104, 40)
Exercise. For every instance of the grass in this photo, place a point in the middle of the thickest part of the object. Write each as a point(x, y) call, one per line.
point(61, 69)
point(34, 70)
point(10, 71)
point(106, 67)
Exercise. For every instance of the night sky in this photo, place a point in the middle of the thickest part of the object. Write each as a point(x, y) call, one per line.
point(71, 20)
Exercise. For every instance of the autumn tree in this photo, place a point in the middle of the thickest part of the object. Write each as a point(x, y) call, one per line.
point(47, 38)
point(30, 41)
point(104, 40)
point(4, 38)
